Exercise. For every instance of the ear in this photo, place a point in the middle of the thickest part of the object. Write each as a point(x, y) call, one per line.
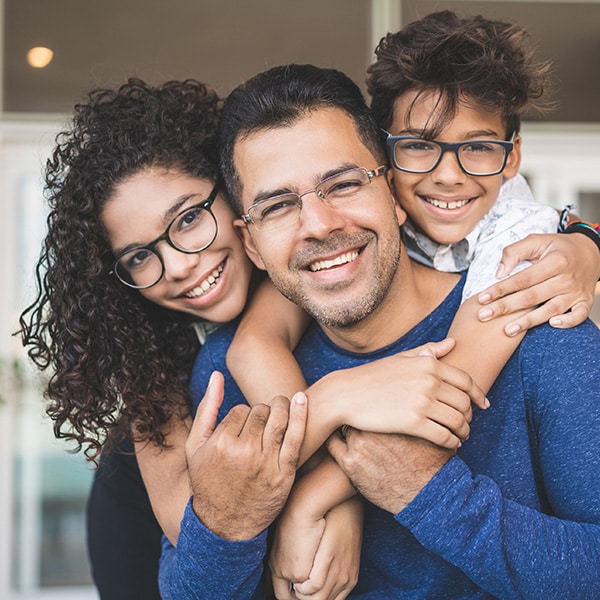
point(249, 245)
point(513, 162)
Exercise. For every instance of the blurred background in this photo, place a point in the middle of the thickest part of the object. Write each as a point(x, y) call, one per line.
point(98, 43)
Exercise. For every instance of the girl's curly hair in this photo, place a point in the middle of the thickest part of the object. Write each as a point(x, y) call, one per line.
point(490, 63)
point(119, 363)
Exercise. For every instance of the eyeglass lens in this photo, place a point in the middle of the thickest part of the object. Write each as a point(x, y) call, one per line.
point(285, 209)
point(192, 231)
point(477, 158)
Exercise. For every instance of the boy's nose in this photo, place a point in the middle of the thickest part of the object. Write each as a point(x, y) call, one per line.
point(448, 170)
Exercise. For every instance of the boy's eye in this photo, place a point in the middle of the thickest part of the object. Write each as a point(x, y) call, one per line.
point(417, 146)
point(480, 147)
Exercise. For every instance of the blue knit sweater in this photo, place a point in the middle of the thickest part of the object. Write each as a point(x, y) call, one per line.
point(516, 514)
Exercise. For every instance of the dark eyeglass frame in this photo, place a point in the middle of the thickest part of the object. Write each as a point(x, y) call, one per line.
point(454, 147)
point(205, 205)
point(370, 173)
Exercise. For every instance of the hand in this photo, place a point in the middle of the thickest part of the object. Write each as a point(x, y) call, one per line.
point(389, 470)
point(412, 393)
point(242, 470)
point(333, 570)
point(564, 275)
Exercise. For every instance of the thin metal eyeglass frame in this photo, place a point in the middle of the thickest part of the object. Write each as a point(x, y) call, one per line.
point(371, 174)
point(454, 147)
point(205, 205)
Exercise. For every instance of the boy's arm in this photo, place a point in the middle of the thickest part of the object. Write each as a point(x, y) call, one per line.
point(562, 277)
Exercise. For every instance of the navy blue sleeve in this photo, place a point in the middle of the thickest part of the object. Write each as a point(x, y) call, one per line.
point(206, 566)
point(508, 548)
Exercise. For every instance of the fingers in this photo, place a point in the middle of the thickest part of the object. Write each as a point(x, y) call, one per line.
point(436, 349)
point(296, 428)
point(531, 248)
point(462, 381)
point(282, 588)
point(578, 314)
point(205, 420)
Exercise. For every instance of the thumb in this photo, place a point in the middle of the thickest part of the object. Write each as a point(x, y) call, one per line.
point(336, 447)
point(436, 349)
point(205, 420)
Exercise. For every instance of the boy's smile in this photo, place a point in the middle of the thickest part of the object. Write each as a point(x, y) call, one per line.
point(446, 204)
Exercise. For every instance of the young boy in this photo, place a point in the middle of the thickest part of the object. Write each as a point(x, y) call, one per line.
point(449, 93)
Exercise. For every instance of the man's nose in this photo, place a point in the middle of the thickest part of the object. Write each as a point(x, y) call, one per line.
point(317, 219)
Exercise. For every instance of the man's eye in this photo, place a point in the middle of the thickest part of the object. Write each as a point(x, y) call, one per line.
point(340, 188)
point(277, 208)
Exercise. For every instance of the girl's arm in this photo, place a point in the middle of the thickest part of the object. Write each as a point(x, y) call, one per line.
point(165, 475)
point(260, 356)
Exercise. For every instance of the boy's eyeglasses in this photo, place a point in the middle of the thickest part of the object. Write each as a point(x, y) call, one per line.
point(191, 231)
point(475, 157)
point(284, 209)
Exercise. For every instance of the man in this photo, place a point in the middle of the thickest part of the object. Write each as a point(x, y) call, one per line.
point(516, 513)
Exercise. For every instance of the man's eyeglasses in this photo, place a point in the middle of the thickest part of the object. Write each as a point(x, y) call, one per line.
point(191, 231)
point(475, 157)
point(284, 209)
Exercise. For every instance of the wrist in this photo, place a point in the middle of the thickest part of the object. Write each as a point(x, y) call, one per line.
point(590, 230)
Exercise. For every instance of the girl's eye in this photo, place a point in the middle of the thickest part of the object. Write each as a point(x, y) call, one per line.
point(137, 259)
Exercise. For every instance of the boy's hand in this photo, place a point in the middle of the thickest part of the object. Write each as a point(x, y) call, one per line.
point(413, 393)
point(249, 460)
point(333, 563)
point(562, 277)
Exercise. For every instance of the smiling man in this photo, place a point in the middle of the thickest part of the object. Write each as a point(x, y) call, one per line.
point(515, 512)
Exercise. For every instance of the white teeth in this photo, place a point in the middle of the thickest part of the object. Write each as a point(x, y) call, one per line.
point(340, 260)
point(205, 285)
point(446, 205)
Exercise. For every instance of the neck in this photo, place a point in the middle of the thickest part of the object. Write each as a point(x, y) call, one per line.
point(415, 292)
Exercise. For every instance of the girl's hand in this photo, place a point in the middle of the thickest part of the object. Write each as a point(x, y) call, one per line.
point(558, 286)
point(333, 563)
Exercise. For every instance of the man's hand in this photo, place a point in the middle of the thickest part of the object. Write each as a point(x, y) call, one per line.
point(242, 470)
point(562, 278)
point(389, 470)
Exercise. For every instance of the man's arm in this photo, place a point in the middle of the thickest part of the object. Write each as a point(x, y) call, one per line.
point(508, 548)
point(241, 472)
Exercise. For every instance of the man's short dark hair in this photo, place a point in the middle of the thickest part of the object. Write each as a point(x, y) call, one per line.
point(279, 97)
point(488, 63)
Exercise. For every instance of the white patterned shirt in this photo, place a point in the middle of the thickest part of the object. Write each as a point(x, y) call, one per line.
point(514, 215)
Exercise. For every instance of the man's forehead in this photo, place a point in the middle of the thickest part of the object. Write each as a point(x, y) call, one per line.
point(297, 156)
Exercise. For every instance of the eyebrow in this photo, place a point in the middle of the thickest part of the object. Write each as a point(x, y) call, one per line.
point(167, 218)
point(469, 135)
point(266, 194)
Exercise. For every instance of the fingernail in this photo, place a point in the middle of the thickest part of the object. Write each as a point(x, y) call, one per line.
point(484, 297)
point(486, 403)
point(299, 398)
point(555, 322)
point(500, 271)
point(485, 313)
point(512, 329)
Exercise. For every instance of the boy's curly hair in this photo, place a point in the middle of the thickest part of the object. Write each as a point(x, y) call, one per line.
point(119, 363)
point(487, 63)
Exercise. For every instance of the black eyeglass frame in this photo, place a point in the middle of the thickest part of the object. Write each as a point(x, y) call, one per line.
point(205, 205)
point(392, 140)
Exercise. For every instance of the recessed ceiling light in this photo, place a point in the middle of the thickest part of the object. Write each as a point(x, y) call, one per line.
point(39, 57)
